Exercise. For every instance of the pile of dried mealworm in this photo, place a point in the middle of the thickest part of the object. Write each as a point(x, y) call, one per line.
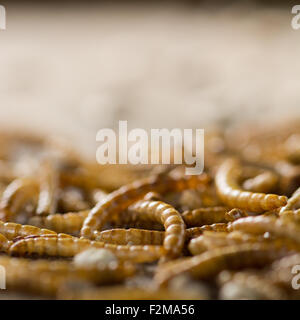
point(71, 229)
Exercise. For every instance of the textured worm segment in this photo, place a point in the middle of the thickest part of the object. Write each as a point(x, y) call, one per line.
point(65, 223)
point(232, 195)
point(130, 237)
point(70, 246)
point(171, 219)
point(210, 263)
point(122, 198)
point(262, 224)
point(13, 230)
point(203, 216)
point(16, 194)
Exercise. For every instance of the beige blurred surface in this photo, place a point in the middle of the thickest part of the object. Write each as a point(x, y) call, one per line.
point(73, 70)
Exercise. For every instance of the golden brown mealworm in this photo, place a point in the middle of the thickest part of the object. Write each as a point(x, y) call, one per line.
point(122, 198)
point(248, 286)
point(203, 216)
point(13, 230)
point(17, 193)
point(70, 246)
point(233, 196)
point(168, 216)
point(65, 223)
point(130, 236)
point(262, 224)
point(210, 263)
point(134, 236)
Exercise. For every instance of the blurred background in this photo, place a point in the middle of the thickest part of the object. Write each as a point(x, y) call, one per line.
point(72, 68)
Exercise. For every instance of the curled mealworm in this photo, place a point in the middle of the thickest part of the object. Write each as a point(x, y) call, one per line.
point(171, 219)
point(209, 263)
point(16, 194)
point(13, 230)
point(122, 198)
point(70, 246)
point(232, 195)
point(262, 224)
point(63, 223)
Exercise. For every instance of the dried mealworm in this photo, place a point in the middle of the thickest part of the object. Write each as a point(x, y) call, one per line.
point(203, 216)
point(16, 194)
point(232, 195)
point(70, 246)
point(168, 216)
point(131, 236)
point(13, 230)
point(122, 198)
point(212, 262)
point(66, 223)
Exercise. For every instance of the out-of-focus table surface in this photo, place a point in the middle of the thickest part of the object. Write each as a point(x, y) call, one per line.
point(74, 69)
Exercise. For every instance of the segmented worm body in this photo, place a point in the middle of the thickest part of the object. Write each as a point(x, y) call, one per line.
point(202, 216)
point(233, 196)
point(121, 199)
point(13, 230)
point(210, 263)
point(171, 219)
point(130, 236)
point(70, 246)
point(61, 223)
